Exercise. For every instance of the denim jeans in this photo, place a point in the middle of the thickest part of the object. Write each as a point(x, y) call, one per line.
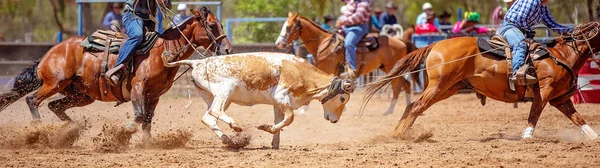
point(353, 35)
point(516, 39)
point(134, 27)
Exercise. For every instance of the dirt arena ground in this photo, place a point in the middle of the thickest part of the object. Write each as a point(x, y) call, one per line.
point(463, 134)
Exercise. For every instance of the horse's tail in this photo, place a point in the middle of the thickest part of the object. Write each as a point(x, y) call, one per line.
point(25, 83)
point(176, 63)
point(409, 63)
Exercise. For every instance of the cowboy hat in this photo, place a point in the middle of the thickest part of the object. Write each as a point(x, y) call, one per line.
point(391, 5)
point(445, 15)
point(427, 5)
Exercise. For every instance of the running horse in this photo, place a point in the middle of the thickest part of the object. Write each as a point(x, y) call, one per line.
point(74, 72)
point(458, 63)
point(319, 43)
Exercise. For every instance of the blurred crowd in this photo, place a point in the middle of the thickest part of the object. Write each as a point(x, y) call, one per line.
point(428, 21)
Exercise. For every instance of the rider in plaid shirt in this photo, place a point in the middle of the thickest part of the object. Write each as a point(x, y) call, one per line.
point(355, 20)
point(517, 23)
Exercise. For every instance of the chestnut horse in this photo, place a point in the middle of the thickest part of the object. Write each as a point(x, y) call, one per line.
point(74, 72)
point(318, 42)
point(457, 63)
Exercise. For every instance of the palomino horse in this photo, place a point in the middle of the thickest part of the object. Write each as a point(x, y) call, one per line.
point(75, 73)
point(318, 42)
point(457, 63)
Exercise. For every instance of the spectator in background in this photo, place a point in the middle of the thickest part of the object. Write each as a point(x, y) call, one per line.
point(427, 11)
point(327, 22)
point(388, 17)
point(181, 14)
point(375, 23)
point(500, 12)
point(445, 21)
point(467, 26)
point(428, 26)
point(114, 16)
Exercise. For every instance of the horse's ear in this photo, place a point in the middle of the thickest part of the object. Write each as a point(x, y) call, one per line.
point(196, 12)
point(295, 16)
point(290, 14)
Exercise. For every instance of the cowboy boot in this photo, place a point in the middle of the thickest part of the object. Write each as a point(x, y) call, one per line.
point(113, 75)
point(522, 78)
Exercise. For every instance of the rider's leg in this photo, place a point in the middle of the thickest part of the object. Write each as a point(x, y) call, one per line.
point(134, 28)
point(516, 39)
point(353, 35)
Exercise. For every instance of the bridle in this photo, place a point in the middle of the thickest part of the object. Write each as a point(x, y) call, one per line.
point(295, 29)
point(582, 33)
point(214, 40)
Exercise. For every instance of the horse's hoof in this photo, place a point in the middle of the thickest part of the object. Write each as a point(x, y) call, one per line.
point(236, 127)
point(226, 140)
point(265, 127)
point(387, 113)
point(36, 122)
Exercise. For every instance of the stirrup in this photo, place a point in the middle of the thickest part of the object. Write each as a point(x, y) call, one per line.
point(348, 74)
point(112, 78)
point(522, 78)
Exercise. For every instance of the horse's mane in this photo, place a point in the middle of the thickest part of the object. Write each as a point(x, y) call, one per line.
point(314, 24)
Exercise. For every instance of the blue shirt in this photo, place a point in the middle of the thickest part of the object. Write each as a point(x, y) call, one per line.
point(422, 19)
point(386, 19)
point(109, 17)
point(326, 26)
point(528, 13)
point(375, 22)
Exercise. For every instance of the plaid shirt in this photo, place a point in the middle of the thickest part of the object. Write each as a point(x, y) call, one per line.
point(356, 12)
point(528, 13)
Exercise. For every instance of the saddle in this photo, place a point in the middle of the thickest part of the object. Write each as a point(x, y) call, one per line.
point(498, 48)
point(365, 45)
point(109, 42)
point(97, 42)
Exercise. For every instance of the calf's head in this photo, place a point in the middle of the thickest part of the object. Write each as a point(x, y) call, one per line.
point(334, 99)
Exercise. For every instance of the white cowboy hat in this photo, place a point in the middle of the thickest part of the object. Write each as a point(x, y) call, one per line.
point(181, 7)
point(427, 6)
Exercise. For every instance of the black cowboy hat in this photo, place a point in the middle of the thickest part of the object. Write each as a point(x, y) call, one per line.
point(445, 15)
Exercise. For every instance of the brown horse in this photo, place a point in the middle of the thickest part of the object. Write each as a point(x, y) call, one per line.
point(457, 63)
point(74, 72)
point(318, 42)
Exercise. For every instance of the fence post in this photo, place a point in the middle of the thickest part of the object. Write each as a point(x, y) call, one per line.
point(80, 19)
point(159, 19)
point(59, 36)
point(460, 14)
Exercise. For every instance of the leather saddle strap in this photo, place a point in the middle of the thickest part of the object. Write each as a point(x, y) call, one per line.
point(103, 83)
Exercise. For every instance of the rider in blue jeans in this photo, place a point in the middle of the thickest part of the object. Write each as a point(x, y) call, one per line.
point(355, 20)
point(516, 27)
point(136, 17)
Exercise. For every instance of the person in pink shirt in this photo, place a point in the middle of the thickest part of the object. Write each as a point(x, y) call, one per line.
point(467, 26)
point(354, 20)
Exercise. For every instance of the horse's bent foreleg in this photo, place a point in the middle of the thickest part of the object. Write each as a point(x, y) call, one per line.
point(278, 114)
point(539, 102)
point(430, 96)
point(60, 106)
point(288, 118)
point(569, 110)
point(148, 108)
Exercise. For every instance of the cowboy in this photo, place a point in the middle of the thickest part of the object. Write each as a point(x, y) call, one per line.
point(355, 21)
point(388, 17)
point(135, 19)
point(181, 15)
point(445, 21)
point(427, 11)
point(517, 25)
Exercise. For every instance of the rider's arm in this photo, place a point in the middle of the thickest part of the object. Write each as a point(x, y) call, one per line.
point(108, 18)
point(551, 23)
point(360, 15)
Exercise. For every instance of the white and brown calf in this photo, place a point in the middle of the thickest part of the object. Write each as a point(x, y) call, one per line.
point(278, 79)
